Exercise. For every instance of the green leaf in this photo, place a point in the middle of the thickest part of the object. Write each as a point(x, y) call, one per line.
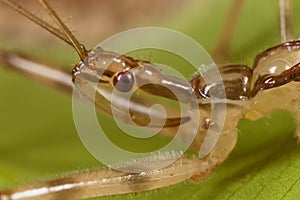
point(38, 139)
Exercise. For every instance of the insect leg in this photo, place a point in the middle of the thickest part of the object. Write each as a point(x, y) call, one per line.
point(221, 51)
point(108, 182)
point(285, 15)
point(39, 72)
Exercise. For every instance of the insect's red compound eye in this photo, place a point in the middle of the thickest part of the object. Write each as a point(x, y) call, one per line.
point(123, 81)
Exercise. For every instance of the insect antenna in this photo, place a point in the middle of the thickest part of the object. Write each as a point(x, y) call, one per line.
point(78, 47)
point(63, 33)
point(285, 15)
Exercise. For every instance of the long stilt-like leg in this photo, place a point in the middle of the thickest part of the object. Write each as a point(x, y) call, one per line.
point(107, 182)
point(50, 76)
point(221, 51)
point(285, 15)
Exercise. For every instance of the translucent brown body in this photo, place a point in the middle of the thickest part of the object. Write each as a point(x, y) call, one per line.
point(250, 93)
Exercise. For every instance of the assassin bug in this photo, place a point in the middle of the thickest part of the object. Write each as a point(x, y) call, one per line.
point(243, 87)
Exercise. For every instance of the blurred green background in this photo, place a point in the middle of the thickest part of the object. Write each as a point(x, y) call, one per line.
point(38, 139)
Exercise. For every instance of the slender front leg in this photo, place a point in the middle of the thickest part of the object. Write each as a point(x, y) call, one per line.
point(39, 72)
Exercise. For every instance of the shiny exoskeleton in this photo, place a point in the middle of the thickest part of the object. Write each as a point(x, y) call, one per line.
point(271, 84)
